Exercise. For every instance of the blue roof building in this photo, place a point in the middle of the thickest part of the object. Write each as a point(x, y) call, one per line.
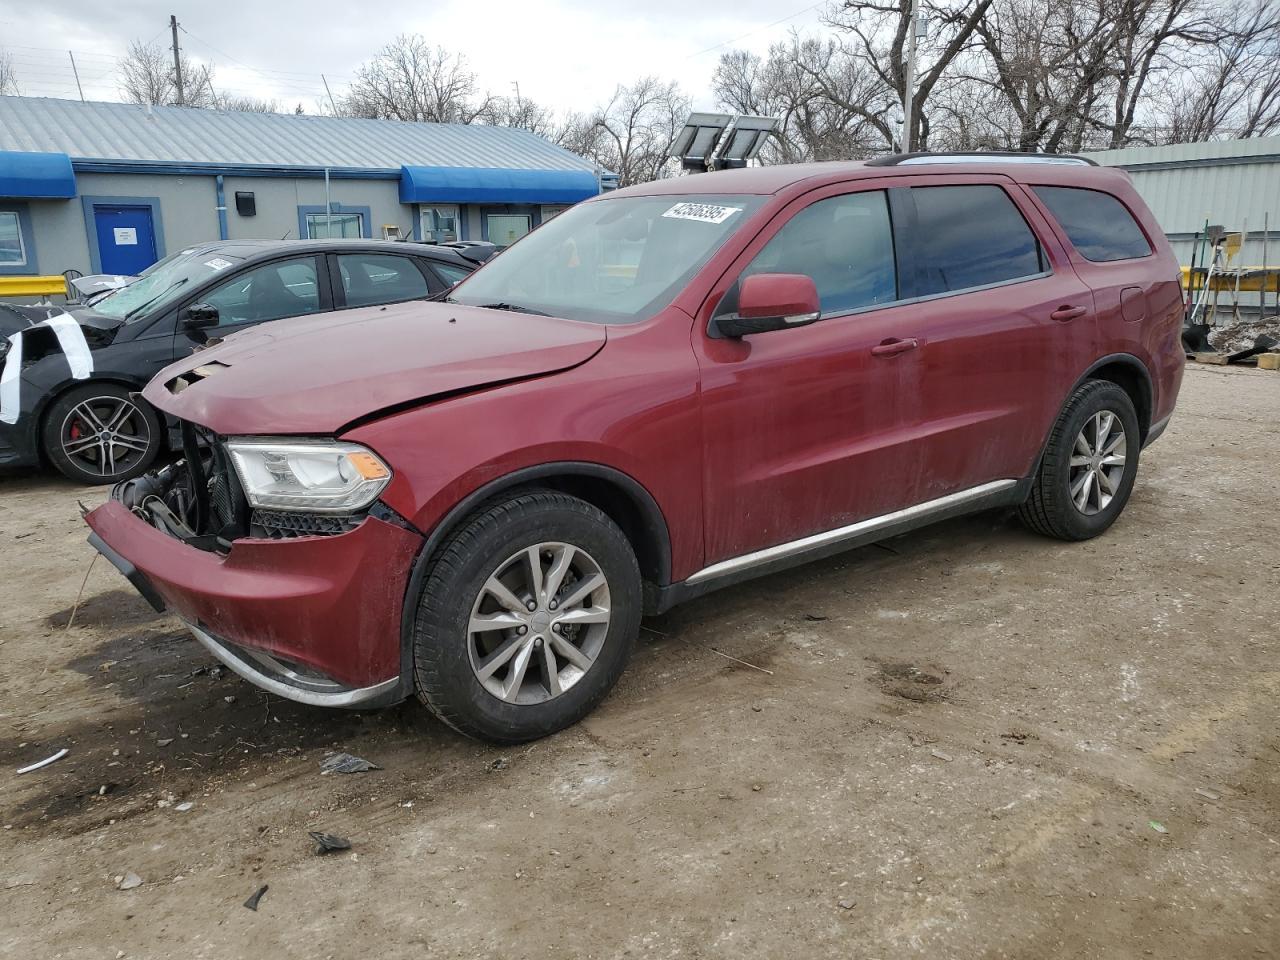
point(113, 187)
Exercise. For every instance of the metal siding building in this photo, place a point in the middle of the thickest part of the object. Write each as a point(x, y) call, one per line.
point(1232, 183)
point(110, 187)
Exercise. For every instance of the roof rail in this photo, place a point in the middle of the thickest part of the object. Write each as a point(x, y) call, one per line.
point(992, 156)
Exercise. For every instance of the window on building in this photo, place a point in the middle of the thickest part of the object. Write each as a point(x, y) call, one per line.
point(370, 278)
point(504, 229)
point(1097, 224)
point(845, 244)
point(329, 226)
point(440, 223)
point(13, 252)
point(551, 212)
point(972, 236)
point(273, 291)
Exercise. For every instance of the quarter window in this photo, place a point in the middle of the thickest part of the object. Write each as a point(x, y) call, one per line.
point(845, 244)
point(972, 236)
point(269, 292)
point(13, 252)
point(370, 278)
point(451, 272)
point(1096, 223)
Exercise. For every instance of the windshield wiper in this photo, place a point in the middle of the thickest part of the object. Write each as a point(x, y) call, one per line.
point(515, 307)
point(167, 290)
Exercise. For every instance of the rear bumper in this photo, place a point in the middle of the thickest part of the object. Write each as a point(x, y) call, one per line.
point(314, 619)
point(1156, 430)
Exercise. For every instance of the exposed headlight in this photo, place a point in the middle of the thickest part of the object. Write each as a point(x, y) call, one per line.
point(314, 477)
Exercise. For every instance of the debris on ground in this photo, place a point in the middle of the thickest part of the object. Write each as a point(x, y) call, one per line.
point(128, 881)
point(1157, 826)
point(815, 617)
point(500, 764)
point(919, 683)
point(346, 763)
point(165, 742)
point(45, 762)
point(1208, 794)
point(847, 904)
point(327, 842)
point(939, 755)
point(184, 806)
point(252, 902)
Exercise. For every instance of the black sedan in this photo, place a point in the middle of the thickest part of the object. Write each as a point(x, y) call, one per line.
point(69, 376)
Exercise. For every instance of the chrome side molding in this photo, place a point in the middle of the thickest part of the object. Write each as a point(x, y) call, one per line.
point(863, 527)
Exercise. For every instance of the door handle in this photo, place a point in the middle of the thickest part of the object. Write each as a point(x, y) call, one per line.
point(893, 346)
point(1067, 312)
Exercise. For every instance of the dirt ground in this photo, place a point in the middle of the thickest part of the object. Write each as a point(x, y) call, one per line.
point(967, 742)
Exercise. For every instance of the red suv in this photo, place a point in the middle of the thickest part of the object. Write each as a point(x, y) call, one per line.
point(662, 391)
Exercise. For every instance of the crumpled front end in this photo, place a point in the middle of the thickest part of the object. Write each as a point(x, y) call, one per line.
point(306, 606)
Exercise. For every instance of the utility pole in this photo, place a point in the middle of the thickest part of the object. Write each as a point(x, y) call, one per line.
point(177, 60)
point(908, 80)
point(333, 106)
point(77, 73)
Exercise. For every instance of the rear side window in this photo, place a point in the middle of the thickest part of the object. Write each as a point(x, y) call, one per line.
point(370, 278)
point(845, 244)
point(1097, 224)
point(972, 236)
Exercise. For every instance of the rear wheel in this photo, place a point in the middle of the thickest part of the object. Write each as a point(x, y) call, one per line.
point(99, 433)
point(1089, 465)
point(527, 618)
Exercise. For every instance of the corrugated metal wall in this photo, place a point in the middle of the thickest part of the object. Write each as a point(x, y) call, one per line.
point(1233, 183)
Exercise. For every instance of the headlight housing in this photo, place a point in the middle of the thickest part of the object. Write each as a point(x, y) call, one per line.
point(322, 476)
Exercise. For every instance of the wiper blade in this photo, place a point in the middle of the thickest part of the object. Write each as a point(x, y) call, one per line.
point(515, 307)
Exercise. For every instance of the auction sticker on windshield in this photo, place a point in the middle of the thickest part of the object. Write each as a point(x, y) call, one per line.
point(703, 212)
point(218, 263)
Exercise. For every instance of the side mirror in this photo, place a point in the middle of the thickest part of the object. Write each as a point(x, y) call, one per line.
point(772, 301)
point(200, 315)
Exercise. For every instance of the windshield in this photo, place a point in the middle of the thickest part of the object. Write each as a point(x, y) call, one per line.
point(616, 260)
point(161, 282)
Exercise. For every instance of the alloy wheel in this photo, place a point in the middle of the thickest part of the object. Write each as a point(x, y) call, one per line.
point(539, 623)
point(1097, 463)
point(105, 436)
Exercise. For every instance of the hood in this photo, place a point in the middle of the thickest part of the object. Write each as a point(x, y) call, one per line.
point(19, 316)
point(315, 375)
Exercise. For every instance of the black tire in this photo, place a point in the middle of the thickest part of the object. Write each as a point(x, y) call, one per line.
point(444, 646)
point(67, 431)
point(1051, 509)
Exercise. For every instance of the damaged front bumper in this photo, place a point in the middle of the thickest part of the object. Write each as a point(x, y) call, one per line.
point(313, 618)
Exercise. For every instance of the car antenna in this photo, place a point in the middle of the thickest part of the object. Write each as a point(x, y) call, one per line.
point(286, 235)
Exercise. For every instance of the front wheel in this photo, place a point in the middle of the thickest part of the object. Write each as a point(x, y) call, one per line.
point(100, 433)
point(1089, 465)
point(527, 618)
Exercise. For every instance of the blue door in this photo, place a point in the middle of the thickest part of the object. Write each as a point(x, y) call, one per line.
point(126, 238)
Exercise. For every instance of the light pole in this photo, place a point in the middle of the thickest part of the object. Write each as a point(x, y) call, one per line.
point(909, 80)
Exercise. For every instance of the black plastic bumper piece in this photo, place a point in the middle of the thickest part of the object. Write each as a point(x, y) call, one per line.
point(131, 573)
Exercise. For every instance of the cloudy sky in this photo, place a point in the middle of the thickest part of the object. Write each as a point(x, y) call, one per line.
point(566, 53)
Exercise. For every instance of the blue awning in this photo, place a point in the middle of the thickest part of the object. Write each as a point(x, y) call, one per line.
point(495, 185)
point(36, 175)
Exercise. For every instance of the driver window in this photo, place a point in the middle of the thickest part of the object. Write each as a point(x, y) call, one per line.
point(845, 244)
point(287, 288)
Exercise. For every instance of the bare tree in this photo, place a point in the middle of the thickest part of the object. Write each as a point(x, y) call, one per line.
point(246, 104)
point(829, 106)
point(8, 79)
point(1232, 86)
point(632, 133)
point(878, 31)
point(147, 76)
point(411, 80)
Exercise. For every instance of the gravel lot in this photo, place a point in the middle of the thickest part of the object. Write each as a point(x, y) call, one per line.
point(967, 742)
